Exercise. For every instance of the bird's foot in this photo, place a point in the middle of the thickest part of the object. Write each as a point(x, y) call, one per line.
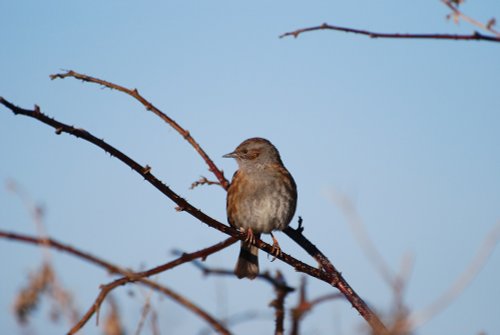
point(276, 250)
point(250, 238)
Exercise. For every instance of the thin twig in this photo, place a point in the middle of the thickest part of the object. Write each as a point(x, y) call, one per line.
point(54, 244)
point(458, 14)
point(203, 181)
point(150, 107)
point(187, 257)
point(476, 36)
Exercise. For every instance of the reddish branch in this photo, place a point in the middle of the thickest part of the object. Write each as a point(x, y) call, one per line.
point(328, 273)
point(130, 277)
point(476, 36)
point(150, 107)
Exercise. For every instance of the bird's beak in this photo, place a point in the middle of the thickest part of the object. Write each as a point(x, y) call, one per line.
point(230, 155)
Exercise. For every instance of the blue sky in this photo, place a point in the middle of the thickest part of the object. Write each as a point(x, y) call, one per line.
point(405, 129)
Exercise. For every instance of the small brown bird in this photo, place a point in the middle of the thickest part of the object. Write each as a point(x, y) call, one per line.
point(262, 197)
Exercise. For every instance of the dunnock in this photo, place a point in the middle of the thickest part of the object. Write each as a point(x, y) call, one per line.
point(261, 198)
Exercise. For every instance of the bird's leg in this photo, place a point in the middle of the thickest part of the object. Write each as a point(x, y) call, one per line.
point(276, 251)
point(250, 239)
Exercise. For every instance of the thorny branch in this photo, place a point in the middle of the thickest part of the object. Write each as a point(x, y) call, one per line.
point(130, 277)
point(150, 107)
point(327, 274)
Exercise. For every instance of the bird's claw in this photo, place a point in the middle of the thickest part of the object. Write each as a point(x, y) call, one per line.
point(276, 250)
point(250, 238)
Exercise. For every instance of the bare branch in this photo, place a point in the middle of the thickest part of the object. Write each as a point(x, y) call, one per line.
point(325, 26)
point(150, 107)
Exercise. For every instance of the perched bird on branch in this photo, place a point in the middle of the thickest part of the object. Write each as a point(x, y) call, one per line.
point(262, 198)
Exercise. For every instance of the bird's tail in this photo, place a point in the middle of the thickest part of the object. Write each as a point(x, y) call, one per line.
point(248, 261)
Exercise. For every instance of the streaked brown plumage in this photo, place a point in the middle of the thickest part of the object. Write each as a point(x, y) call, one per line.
point(262, 198)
